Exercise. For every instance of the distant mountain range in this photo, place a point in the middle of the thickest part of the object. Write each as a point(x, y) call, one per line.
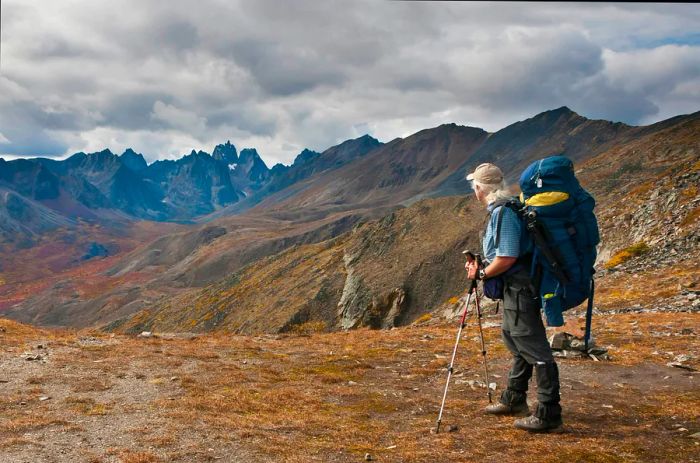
point(357, 235)
point(40, 194)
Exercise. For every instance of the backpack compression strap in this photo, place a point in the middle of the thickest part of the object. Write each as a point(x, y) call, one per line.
point(589, 316)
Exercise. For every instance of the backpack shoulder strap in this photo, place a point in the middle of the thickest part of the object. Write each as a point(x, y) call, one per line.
point(511, 204)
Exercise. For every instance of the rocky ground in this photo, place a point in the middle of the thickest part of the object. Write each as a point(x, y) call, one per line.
point(340, 397)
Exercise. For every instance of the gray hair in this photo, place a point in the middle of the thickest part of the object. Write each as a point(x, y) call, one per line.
point(494, 192)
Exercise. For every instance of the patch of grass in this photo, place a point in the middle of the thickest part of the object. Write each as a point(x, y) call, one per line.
point(92, 385)
point(128, 456)
point(15, 442)
point(36, 380)
point(24, 424)
point(620, 257)
point(424, 318)
point(641, 190)
point(691, 217)
point(584, 455)
point(331, 373)
point(308, 328)
point(88, 406)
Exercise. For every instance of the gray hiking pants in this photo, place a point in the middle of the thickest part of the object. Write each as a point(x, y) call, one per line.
point(525, 337)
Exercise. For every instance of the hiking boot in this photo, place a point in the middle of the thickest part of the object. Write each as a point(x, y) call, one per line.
point(535, 424)
point(520, 409)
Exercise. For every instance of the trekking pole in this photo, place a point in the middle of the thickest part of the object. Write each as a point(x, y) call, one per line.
point(462, 324)
point(481, 337)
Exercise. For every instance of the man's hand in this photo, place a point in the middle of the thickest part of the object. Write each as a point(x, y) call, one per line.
point(472, 269)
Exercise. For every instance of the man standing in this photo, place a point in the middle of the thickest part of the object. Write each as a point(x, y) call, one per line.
point(523, 332)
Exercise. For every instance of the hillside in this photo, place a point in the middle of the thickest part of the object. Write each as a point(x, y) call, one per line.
point(559, 131)
point(205, 254)
point(391, 175)
point(383, 273)
point(337, 397)
point(377, 264)
point(391, 271)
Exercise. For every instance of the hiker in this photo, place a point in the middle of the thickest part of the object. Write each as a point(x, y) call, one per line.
point(523, 331)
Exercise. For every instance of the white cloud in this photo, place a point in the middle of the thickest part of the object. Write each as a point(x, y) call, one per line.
point(164, 78)
point(178, 118)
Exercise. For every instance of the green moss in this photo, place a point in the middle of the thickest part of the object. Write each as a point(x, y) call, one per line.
point(626, 254)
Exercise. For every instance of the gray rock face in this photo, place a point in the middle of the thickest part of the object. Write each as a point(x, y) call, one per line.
point(354, 300)
point(359, 307)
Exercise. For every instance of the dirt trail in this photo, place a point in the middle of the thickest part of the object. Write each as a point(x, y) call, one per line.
point(337, 397)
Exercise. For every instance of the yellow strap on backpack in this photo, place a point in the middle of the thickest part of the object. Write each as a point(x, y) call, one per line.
point(549, 198)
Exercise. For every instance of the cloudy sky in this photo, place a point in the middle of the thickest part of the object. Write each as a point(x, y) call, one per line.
point(166, 77)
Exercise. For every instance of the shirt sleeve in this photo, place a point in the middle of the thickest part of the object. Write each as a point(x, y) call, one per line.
point(511, 228)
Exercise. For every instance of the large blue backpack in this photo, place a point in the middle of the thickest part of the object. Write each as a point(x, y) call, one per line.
point(558, 215)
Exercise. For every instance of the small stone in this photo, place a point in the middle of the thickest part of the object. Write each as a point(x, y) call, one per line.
point(174, 378)
point(695, 436)
point(452, 428)
point(44, 398)
point(23, 403)
point(682, 430)
point(598, 351)
point(368, 457)
point(493, 386)
point(146, 334)
point(680, 365)
point(607, 406)
point(352, 383)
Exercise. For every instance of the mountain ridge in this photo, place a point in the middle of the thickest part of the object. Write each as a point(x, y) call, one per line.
point(291, 225)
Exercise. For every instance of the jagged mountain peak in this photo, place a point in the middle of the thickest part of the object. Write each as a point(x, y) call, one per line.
point(364, 139)
point(305, 156)
point(105, 153)
point(133, 160)
point(248, 154)
point(195, 154)
point(225, 152)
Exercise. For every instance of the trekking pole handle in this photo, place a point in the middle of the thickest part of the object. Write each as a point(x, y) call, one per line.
point(470, 256)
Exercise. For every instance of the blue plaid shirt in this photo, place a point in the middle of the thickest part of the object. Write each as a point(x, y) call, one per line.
point(513, 241)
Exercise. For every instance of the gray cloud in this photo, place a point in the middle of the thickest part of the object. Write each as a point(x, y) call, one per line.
point(166, 77)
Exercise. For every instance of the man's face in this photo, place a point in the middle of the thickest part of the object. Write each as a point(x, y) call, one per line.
point(480, 194)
